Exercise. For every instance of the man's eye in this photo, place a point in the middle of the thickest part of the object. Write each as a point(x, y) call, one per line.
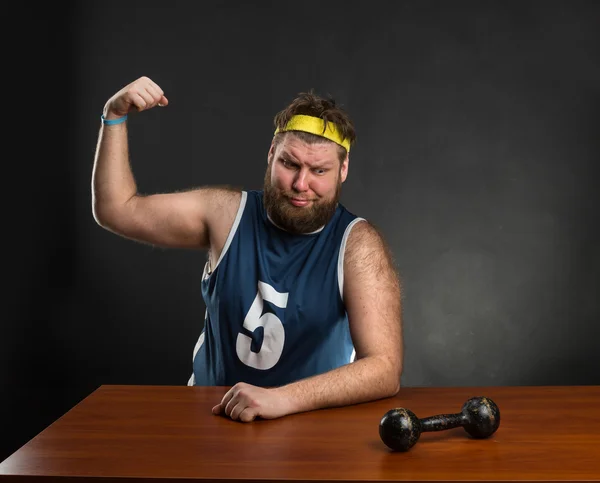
point(320, 171)
point(287, 164)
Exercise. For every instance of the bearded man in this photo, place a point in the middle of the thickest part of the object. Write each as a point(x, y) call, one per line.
point(303, 303)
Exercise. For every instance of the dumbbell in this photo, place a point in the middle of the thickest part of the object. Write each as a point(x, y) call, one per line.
point(400, 429)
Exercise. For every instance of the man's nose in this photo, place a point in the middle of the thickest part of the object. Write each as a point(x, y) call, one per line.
point(301, 181)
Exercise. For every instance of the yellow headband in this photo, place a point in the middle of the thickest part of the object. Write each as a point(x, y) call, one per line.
point(316, 125)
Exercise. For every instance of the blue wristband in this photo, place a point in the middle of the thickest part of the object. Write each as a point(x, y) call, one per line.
point(110, 122)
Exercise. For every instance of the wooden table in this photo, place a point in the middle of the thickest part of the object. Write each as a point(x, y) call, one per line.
point(145, 433)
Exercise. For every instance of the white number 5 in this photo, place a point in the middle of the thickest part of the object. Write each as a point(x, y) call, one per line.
point(274, 334)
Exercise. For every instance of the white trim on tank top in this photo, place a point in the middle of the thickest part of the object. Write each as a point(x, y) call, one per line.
point(340, 266)
point(232, 231)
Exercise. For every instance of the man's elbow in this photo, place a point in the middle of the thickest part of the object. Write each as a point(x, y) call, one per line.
point(394, 386)
point(110, 215)
point(105, 217)
point(102, 211)
point(394, 374)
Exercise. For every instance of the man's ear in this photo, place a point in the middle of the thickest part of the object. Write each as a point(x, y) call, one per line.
point(344, 168)
point(271, 152)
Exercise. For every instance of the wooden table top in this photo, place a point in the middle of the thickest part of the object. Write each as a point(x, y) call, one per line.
point(143, 433)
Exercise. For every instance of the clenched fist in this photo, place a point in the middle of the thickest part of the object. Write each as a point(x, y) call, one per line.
point(142, 94)
point(244, 402)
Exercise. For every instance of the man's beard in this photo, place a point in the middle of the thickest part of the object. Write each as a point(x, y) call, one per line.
point(297, 219)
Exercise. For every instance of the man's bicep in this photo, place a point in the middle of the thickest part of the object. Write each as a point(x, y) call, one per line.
point(176, 220)
point(372, 295)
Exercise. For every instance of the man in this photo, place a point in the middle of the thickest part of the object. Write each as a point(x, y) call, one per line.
point(303, 303)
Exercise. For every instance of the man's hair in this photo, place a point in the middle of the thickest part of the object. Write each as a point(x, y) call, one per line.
point(310, 104)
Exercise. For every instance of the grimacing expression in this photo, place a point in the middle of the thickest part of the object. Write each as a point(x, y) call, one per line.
point(302, 183)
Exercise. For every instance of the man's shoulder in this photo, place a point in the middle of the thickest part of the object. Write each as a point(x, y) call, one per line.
point(365, 241)
point(220, 194)
point(363, 231)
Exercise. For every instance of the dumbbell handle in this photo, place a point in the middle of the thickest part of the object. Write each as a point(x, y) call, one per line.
point(442, 422)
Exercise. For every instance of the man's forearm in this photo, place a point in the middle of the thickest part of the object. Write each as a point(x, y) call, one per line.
point(113, 183)
point(364, 380)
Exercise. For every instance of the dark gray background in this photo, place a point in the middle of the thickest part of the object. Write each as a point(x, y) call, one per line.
point(476, 157)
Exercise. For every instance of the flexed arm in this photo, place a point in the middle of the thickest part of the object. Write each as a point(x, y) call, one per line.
point(113, 184)
point(196, 218)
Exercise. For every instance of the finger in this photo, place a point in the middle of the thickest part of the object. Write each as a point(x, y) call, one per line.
point(147, 96)
point(156, 87)
point(233, 402)
point(248, 414)
point(162, 100)
point(237, 410)
point(226, 398)
point(138, 101)
point(216, 409)
point(156, 95)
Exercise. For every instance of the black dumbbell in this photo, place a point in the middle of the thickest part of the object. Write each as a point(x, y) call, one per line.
point(400, 429)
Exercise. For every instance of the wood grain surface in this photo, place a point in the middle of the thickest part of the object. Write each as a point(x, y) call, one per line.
point(144, 433)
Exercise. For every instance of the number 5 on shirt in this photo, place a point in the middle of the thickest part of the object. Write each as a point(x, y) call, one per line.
point(274, 333)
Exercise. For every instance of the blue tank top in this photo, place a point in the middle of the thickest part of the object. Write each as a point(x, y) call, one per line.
point(274, 302)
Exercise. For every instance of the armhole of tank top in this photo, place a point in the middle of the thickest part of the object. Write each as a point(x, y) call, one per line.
point(340, 266)
point(232, 231)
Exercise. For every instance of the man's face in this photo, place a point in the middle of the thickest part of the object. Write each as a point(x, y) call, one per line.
point(302, 184)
